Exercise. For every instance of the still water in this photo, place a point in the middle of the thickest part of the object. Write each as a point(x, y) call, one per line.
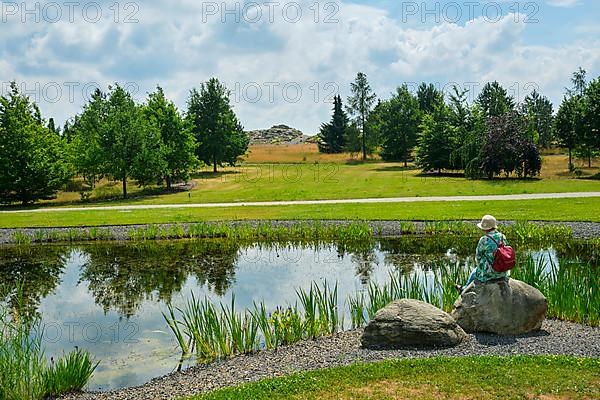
point(109, 298)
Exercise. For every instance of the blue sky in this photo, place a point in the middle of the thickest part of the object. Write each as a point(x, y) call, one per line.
point(284, 60)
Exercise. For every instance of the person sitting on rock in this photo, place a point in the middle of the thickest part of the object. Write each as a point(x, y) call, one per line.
point(484, 255)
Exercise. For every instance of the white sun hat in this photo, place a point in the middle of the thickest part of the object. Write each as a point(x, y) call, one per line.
point(487, 222)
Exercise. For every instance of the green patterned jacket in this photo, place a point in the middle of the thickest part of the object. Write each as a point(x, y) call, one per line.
point(484, 256)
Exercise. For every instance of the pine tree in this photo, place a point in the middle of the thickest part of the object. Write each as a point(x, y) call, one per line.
point(360, 105)
point(494, 100)
point(332, 137)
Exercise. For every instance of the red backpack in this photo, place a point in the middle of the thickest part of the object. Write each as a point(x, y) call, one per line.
point(504, 257)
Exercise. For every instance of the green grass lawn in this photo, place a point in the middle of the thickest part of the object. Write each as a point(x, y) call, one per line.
point(517, 377)
point(584, 209)
point(266, 182)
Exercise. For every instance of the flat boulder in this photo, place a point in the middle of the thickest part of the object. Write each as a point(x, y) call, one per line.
point(411, 323)
point(504, 307)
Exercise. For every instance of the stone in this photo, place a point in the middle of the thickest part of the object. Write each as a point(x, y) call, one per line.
point(411, 323)
point(278, 134)
point(504, 307)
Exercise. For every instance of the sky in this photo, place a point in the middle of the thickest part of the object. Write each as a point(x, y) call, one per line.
point(283, 61)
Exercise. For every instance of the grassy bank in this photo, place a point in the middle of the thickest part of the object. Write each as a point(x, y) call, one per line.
point(518, 377)
point(581, 209)
point(273, 182)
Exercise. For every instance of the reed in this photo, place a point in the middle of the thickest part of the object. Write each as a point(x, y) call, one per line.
point(25, 373)
point(21, 238)
point(219, 332)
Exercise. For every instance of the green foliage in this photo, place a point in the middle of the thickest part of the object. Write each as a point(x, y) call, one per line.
point(429, 98)
point(538, 112)
point(592, 116)
point(220, 136)
point(569, 123)
point(33, 165)
point(178, 142)
point(360, 105)
point(69, 373)
point(400, 118)
point(438, 140)
point(86, 135)
point(214, 332)
point(24, 371)
point(131, 145)
point(332, 137)
point(494, 100)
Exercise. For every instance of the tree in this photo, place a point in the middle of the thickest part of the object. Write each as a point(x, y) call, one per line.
point(429, 97)
point(507, 149)
point(332, 137)
point(589, 136)
point(53, 127)
point(578, 79)
point(538, 112)
point(178, 142)
point(360, 104)
point(131, 145)
point(33, 165)
point(86, 135)
point(400, 124)
point(592, 113)
point(569, 124)
point(221, 138)
point(468, 125)
point(353, 140)
point(437, 141)
point(494, 100)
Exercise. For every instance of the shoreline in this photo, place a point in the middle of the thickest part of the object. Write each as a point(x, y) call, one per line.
point(555, 338)
point(381, 229)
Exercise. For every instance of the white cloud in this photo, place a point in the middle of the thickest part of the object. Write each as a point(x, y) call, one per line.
point(178, 49)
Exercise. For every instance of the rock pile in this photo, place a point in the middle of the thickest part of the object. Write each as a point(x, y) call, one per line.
point(278, 134)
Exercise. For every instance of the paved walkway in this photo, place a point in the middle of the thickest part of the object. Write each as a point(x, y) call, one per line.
point(534, 196)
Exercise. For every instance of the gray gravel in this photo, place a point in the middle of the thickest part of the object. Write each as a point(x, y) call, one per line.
point(583, 230)
point(556, 337)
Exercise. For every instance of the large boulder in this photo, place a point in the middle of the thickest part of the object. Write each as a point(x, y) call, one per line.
point(504, 307)
point(411, 323)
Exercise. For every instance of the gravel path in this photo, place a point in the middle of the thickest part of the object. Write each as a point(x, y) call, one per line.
point(390, 228)
point(556, 337)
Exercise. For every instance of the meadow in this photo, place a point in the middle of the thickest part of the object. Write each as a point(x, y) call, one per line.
point(300, 172)
point(540, 377)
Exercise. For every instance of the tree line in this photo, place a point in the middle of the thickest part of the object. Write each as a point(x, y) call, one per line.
point(492, 136)
point(117, 138)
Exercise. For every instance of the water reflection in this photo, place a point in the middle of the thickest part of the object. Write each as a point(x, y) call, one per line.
point(121, 277)
point(29, 274)
point(108, 298)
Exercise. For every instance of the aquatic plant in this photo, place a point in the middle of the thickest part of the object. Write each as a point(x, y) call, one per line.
point(25, 373)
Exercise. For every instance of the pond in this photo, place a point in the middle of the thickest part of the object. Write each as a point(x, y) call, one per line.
point(109, 298)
